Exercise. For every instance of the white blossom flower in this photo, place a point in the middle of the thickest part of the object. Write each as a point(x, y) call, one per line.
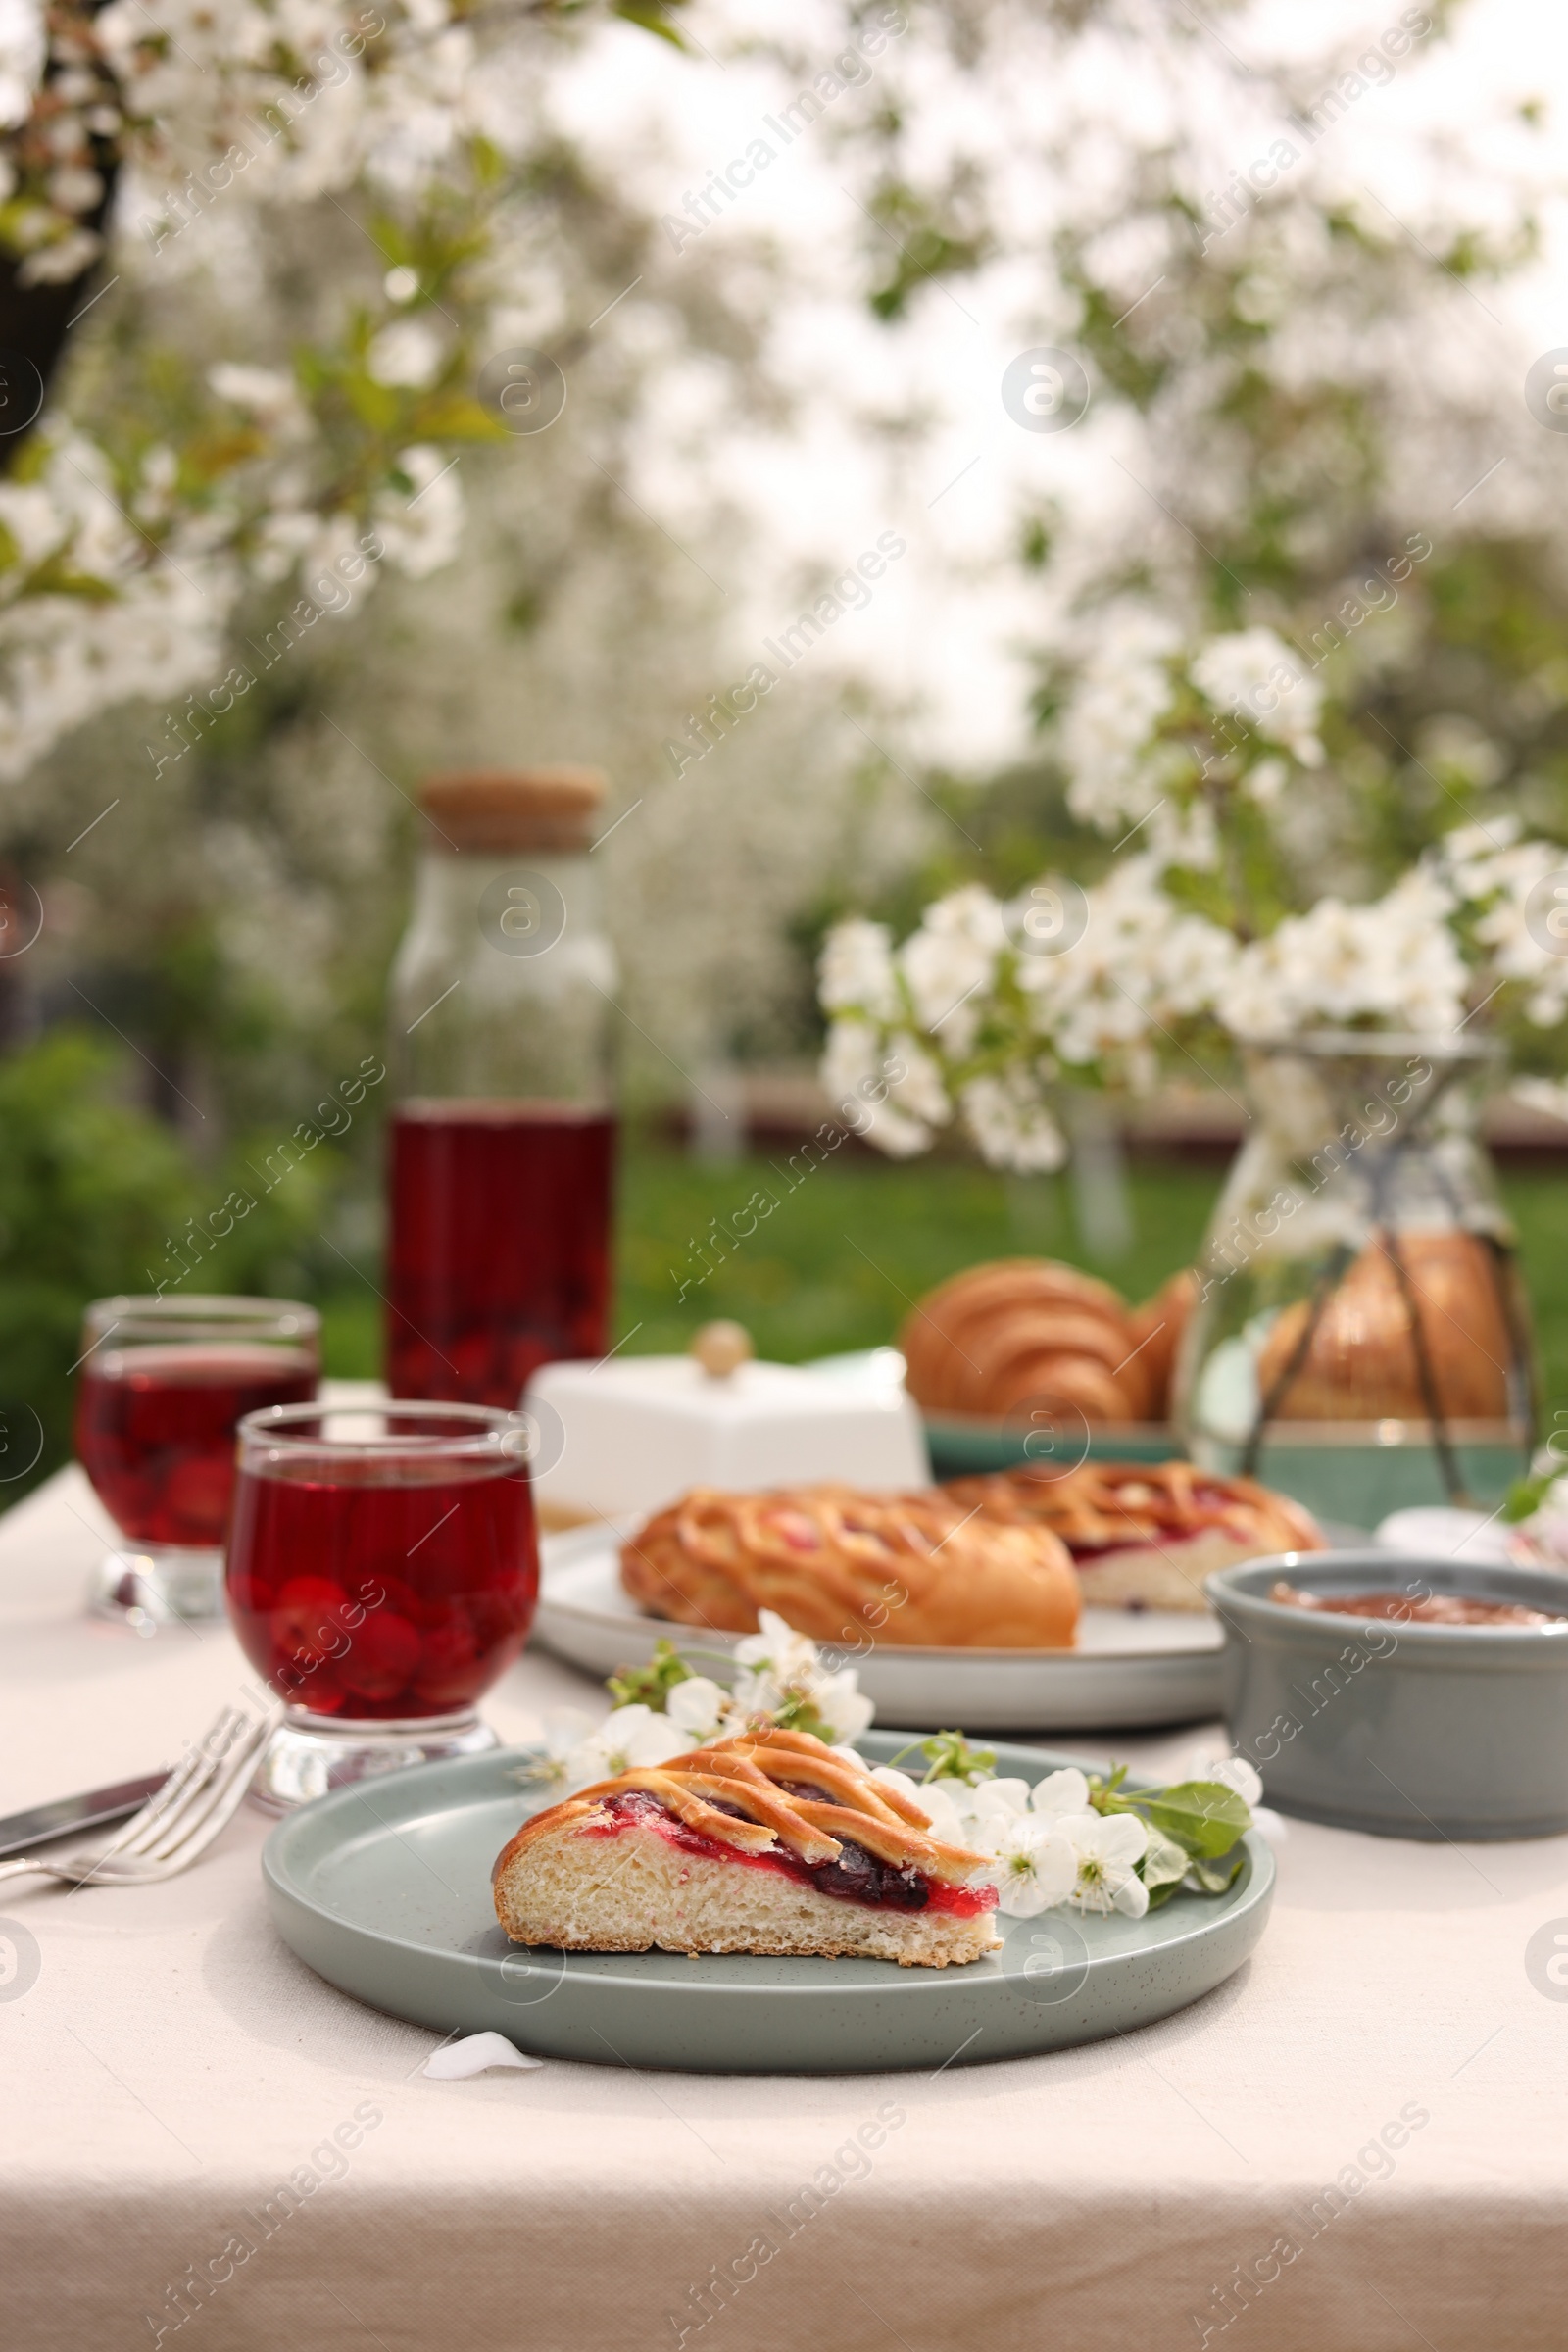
point(420, 531)
point(856, 971)
point(22, 47)
point(1010, 1121)
point(1107, 1848)
point(1124, 689)
point(1060, 1793)
point(1458, 745)
point(1396, 961)
point(946, 1805)
point(701, 1710)
point(629, 1739)
point(266, 393)
point(779, 1667)
point(565, 1731)
point(1254, 675)
point(406, 352)
point(75, 188)
point(1036, 1865)
point(949, 959)
point(891, 1086)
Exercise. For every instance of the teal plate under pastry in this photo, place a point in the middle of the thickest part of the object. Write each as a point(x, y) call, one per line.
point(384, 1889)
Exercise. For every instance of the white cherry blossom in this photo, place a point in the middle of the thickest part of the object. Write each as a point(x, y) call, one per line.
point(629, 1739)
point(1060, 1793)
point(700, 1709)
point(857, 971)
point(1255, 676)
point(1106, 1850)
point(1036, 1864)
point(779, 1667)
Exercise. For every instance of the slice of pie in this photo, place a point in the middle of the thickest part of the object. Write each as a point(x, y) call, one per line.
point(1145, 1535)
point(770, 1842)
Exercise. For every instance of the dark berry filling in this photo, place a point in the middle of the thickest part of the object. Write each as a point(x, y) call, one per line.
point(853, 1876)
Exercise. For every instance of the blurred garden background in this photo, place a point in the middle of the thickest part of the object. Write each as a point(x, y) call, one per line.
point(1312, 263)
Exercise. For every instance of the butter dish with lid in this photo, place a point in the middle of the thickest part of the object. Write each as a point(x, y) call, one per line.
point(628, 1435)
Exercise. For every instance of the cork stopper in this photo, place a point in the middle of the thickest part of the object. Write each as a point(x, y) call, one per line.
point(501, 809)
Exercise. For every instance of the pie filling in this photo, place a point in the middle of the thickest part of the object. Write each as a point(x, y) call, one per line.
point(854, 1877)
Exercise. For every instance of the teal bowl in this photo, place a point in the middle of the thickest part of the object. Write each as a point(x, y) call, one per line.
point(1404, 1730)
point(964, 1445)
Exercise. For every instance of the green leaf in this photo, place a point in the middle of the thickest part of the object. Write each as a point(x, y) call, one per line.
point(800, 1715)
point(1164, 1864)
point(651, 17)
point(1213, 1878)
point(950, 1757)
point(1204, 1816)
point(454, 417)
point(1526, 1495)
point(649, 1686)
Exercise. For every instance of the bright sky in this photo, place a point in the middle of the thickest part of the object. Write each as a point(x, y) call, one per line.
point(942, 633)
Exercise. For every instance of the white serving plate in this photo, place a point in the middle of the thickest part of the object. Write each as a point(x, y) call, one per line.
point(1131, 1669)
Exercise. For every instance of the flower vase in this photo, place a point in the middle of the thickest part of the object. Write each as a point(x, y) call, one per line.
point(1362, 1338)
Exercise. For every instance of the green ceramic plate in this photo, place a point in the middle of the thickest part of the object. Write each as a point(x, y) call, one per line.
point(384, 1889)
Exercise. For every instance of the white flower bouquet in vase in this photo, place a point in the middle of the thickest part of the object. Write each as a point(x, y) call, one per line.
point(1357, 1332)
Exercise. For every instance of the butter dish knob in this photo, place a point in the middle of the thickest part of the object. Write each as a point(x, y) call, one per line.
point(722, 1347)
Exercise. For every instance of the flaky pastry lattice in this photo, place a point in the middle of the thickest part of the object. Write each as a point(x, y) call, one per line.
point(915, 1571)
point(774, 1789)
point(1101, 1506)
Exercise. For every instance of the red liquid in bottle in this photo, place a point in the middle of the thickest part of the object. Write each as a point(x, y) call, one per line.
point(155, 1430)
point(368, 1600)
point(499, 1258)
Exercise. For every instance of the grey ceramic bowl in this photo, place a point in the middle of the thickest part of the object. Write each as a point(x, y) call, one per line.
point(1406, 1729)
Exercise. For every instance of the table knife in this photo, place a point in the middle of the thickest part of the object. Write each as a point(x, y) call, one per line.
point(21, 1831)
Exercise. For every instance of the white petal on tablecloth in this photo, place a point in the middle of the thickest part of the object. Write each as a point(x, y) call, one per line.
point(456, 2060)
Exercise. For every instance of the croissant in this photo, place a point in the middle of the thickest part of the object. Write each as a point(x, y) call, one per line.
point(1362, 1362)
point(768, 1842)
point(1156, 1328)
point(1026, 1336)
point(911, 1570)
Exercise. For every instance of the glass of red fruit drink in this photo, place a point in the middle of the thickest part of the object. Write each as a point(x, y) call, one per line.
point(161, 1385)
point(383, 1574)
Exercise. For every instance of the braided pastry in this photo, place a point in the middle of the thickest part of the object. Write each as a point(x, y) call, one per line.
point(1144, 1535)
point(912, 1570)
point(770, 1842)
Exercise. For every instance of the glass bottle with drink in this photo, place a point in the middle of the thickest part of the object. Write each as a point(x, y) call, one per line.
point(502, 1134)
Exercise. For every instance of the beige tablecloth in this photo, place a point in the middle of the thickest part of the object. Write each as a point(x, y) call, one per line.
point(172, 2064)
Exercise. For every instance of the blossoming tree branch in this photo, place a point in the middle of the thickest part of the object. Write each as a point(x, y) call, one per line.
point(151, 487)
point(1185, 756)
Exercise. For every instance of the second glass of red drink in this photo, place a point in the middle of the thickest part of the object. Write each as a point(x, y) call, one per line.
point(162, 1387)
point(383, 1574)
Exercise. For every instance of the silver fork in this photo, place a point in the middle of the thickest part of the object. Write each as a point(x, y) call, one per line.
point(180, 1820)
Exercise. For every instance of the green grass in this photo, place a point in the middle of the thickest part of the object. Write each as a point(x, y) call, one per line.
point(837, 1260)
point(848, 1243)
